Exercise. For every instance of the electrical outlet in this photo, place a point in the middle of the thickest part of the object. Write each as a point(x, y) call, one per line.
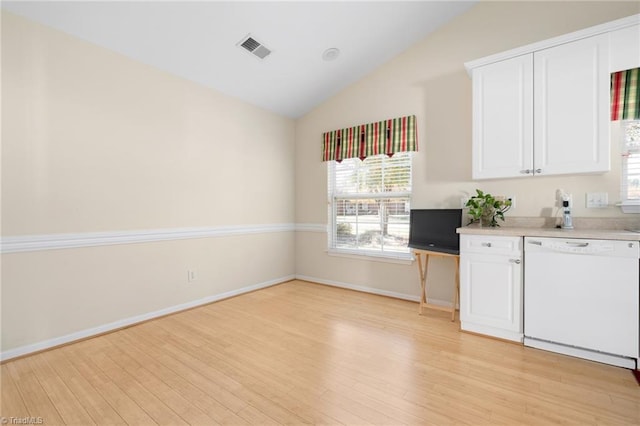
point(569, 198)
point(562, 196)
point(513, 201)
point(191, 275)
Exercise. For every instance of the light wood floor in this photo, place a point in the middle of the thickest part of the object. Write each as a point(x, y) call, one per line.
point(306, 353)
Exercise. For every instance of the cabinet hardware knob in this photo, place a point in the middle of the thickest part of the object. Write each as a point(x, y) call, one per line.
point(538, 170)
point(516, 261)
point(486, 244)
point(526, 171)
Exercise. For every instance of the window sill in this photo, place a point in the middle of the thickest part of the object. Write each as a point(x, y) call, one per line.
point(629, 207)
point(399, 258)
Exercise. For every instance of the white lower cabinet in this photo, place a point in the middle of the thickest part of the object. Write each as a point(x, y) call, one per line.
point(491, 286)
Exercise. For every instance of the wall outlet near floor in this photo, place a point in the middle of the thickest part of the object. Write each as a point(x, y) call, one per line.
point(191, 275)
point(513, 201)
point(597, 200)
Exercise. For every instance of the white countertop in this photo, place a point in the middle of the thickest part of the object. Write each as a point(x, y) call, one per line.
point(599, 234)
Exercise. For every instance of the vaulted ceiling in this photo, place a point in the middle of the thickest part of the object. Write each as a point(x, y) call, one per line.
point(199, 41)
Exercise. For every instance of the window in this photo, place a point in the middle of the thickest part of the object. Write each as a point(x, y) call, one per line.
point(630, 187)
point(369, 204)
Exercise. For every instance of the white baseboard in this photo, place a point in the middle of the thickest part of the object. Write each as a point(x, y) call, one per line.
point(90, 332)
point(372, 290)
point(492, 331)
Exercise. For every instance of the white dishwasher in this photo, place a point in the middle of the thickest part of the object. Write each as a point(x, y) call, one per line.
point(581, 298)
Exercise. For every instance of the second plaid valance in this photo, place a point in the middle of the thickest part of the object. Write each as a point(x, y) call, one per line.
point(625, 95)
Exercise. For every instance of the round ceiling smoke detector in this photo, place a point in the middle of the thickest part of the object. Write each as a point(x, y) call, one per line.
point(330, 54)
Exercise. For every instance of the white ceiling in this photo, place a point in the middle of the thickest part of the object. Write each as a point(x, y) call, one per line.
point(197, 40)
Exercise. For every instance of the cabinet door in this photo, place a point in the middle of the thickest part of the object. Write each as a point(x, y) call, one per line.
point(625, 48)
point(571, 92)
point(503, 118)
point(491, 295)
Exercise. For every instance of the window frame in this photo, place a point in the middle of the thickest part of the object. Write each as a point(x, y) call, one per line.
point(334, 196)
point(628, 205)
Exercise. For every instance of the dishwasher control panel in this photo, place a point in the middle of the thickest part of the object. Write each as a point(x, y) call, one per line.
point(629, 249)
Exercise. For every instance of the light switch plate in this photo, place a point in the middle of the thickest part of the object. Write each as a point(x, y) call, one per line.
point(597, 200)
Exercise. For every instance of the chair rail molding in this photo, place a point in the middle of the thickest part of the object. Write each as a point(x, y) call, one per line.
point(312, 227)
point(26, 243)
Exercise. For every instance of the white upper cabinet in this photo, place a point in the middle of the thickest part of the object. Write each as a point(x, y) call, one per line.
point(625, 48)
point(543, 109)
point(571, 107)
point(503, 118)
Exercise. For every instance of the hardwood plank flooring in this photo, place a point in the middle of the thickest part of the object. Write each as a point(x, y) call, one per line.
point(304, 353)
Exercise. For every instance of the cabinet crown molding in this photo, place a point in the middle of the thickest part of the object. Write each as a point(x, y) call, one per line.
point(565, 38)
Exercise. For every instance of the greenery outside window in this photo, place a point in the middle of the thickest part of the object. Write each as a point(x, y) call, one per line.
point(369, 205)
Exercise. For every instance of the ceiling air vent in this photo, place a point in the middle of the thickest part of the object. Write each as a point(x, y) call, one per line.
point(255, 47)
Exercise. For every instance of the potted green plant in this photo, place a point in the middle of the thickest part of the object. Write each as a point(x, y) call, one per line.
point(486, 209)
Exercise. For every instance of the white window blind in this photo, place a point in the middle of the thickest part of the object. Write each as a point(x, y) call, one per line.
point(369, 205)
point(630, 182)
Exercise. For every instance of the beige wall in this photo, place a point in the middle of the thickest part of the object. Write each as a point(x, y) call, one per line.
point(95, 142)
point(429, 80)
point(50, 294)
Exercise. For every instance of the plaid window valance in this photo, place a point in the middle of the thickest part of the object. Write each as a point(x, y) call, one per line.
point(625, 95)
point(365, 140)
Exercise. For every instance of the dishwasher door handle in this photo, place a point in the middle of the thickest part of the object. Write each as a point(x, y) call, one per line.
point(570, 244)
